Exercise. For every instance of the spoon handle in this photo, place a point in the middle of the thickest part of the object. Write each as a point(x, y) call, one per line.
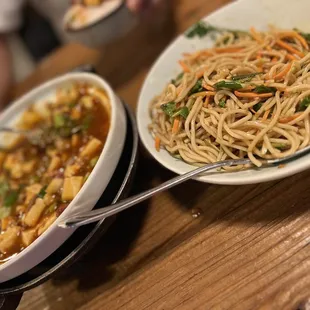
point(96, 215)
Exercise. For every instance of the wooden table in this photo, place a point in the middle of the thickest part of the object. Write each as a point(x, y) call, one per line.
point(248, 249)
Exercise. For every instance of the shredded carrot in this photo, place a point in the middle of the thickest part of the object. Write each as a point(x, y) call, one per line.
point(179, 89)
point(289, 48)
point(200, 73)
point(157, 143)
point(175, 127)
point(265, 116)
point(294, 34)
point(195, 55)
point(205, 104)
point(228, 49)
point(288, 119)
point(290, 57)
point(252, 95)
point(256, 35)
point(184, 66)
point(206, 53)
point(274, 59)
point(258, 56)
point(283, 72)
point(203, 93)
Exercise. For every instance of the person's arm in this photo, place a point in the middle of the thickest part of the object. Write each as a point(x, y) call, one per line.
point(6, 71)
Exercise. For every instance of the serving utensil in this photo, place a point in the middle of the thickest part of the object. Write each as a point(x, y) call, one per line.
point(96, 215)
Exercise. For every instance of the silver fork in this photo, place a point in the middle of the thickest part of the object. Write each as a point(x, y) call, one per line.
point(84, 218)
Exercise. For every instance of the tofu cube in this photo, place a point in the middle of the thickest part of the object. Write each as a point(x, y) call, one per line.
point(44, 226)
point(28, 236)
point(9, 239)
point(54, 186)
point(72, 170)
point(30, 119)
point(92, 148)
point(35, 212)
point(54, 164)
point(29, 166)
point(32, 191)
point(71, 187)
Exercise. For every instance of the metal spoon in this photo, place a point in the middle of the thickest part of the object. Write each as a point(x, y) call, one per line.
point(96, 215)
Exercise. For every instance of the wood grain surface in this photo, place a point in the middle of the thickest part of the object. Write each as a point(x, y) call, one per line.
point(196, 246)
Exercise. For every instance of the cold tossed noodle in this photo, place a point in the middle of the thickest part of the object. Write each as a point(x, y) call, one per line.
point(248, 96)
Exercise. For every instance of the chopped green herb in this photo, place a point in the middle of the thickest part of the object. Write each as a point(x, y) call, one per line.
point(196, 88)
point(63, 125)
point(4, 188)
point(87, 120)
point(177, 80)
point(177, 156)
point(59, 120)
point(264, 89)
point(257, 106)
point(245, 77)
point(11, 198)
point(303, 34)
point(93, 161)
point(42, 192)
point(182, 111)
point(225, 41)
point(280, 146)
point(71, 105)
point(303, 105)
point(169, 108)
point(222, 103)
point(227, 84)
point(51, 208)
point(200, 30)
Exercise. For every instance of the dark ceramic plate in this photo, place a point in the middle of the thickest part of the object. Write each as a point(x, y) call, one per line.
point(84, 237)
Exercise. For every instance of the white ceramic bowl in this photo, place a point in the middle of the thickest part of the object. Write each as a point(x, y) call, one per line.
point(240, 14)
point(86, 199)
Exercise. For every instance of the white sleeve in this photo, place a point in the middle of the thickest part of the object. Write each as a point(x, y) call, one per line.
point(10, 15)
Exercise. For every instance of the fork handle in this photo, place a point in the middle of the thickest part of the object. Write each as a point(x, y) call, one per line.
point(96, 215)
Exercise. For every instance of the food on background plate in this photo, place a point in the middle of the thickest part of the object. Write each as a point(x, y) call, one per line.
point(247, 96)
point(84, 13)
point(88, 2)
point(37, 184)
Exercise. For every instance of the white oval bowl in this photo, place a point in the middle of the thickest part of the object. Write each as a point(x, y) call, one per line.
point(95, 185)
point(242, 15)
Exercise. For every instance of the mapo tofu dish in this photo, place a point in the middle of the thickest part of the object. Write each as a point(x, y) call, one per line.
point(37, 182)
